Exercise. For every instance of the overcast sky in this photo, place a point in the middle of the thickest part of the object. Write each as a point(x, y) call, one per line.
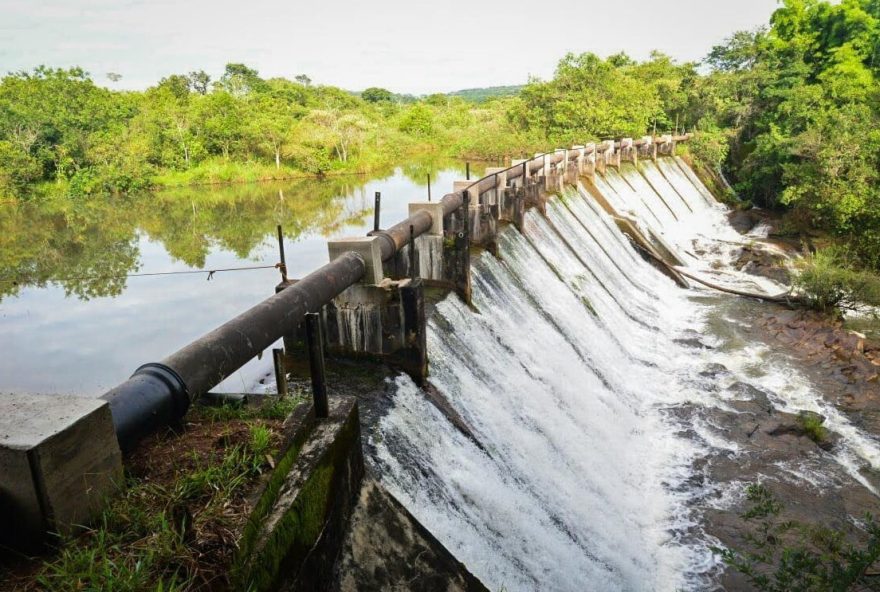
point(402, 45)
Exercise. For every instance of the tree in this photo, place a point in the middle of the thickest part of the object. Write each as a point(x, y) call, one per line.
point(199, 81)
point(219, 118)
point(346, 129)
point(272, 123)
point(375, 94)
point(589, 97)
point(240, 80)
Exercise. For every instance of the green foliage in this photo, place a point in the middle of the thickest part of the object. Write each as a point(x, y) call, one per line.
point(62, 134)
point(811, 424)
point(826, 282)
point(786, 556)
point(375, 94)
point(481, 95)
point(591, 98)
point(417, 120)
point(799, 103)
point(763, 502)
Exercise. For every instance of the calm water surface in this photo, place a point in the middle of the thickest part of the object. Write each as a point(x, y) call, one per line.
point(70, 324)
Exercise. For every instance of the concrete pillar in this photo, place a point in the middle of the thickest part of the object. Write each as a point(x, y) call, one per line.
point(579, 159)
point(610, 158)
point(496, 203)
point(545, 170)
point(457, 252)
point(561, 170)
point(59, 461)
point(646, 148)
point(590, 159)
point(524, 178)
point(428, 246)
point(627, 152)
point(365, 246)
point(474, 211)
point(667, 145)
point(384, 321)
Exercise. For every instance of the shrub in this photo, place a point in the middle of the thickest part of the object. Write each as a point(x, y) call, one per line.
point(828, 284)
point(811, 424)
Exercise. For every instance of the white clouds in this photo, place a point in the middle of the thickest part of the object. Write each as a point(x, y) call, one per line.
point(403, 45)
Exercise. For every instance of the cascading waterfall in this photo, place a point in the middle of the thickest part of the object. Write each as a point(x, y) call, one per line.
point(566, 369)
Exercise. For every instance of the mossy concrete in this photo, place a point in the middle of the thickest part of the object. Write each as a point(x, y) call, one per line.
point(293, 536)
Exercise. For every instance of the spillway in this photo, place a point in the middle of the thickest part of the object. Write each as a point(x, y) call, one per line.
point(567, 369)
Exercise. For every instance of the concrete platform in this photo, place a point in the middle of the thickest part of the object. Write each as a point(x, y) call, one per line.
point(59, 460)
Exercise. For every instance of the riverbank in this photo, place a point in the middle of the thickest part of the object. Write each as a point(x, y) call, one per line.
point(786, 495)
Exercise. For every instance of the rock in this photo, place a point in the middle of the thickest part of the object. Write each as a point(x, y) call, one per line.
point(714, 370)
point(693, 342)
point(742, 220)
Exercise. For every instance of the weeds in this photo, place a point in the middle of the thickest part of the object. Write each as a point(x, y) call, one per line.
point(787, 556)
point(158, 536)
point(811, 425)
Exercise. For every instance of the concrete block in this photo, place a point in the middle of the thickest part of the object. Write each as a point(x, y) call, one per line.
point(59, 460)
point(501, 176)
point(464, 185)
point(435, 209)
point(367, 247)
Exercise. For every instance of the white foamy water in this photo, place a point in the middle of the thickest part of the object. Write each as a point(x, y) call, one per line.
point(566, 370)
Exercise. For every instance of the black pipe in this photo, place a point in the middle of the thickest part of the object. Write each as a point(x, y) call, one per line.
point(159, 394)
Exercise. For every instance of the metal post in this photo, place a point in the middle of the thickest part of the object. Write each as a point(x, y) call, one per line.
point(466, 198)
point(376, 209)
point(467, 171)
point(412, 252)
point(280, 374)
point(282, 266)
point(315, 339)
point(429, 186)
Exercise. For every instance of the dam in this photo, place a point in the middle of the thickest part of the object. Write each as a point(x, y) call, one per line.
point(574, 372)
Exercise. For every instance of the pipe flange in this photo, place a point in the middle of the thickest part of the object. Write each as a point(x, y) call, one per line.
point(176, 385)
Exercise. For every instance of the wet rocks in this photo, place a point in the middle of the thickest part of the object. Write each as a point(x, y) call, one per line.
point(755, 260)
point(743, 221)
point(844, 364)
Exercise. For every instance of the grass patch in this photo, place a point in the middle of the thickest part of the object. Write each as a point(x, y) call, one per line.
point(811, 424)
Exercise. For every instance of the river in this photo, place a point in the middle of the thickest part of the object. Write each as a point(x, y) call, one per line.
point(72, 323)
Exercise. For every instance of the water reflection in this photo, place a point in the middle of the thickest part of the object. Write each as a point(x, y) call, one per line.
point(72, 322)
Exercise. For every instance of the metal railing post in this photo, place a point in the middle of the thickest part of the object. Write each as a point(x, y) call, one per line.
point(315, 338)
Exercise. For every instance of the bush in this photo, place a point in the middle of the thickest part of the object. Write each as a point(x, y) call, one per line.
point(828, 284)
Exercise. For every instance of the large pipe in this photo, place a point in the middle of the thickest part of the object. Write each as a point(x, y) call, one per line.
point(159, 394)
point(396, 237)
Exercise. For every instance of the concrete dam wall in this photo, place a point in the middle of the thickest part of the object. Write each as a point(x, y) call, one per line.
point(571, 369)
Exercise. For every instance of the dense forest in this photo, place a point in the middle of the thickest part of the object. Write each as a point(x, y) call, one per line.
point(62, 133)
point(788, 112)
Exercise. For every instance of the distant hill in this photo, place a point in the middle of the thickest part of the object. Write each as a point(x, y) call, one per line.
point(479, 95)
